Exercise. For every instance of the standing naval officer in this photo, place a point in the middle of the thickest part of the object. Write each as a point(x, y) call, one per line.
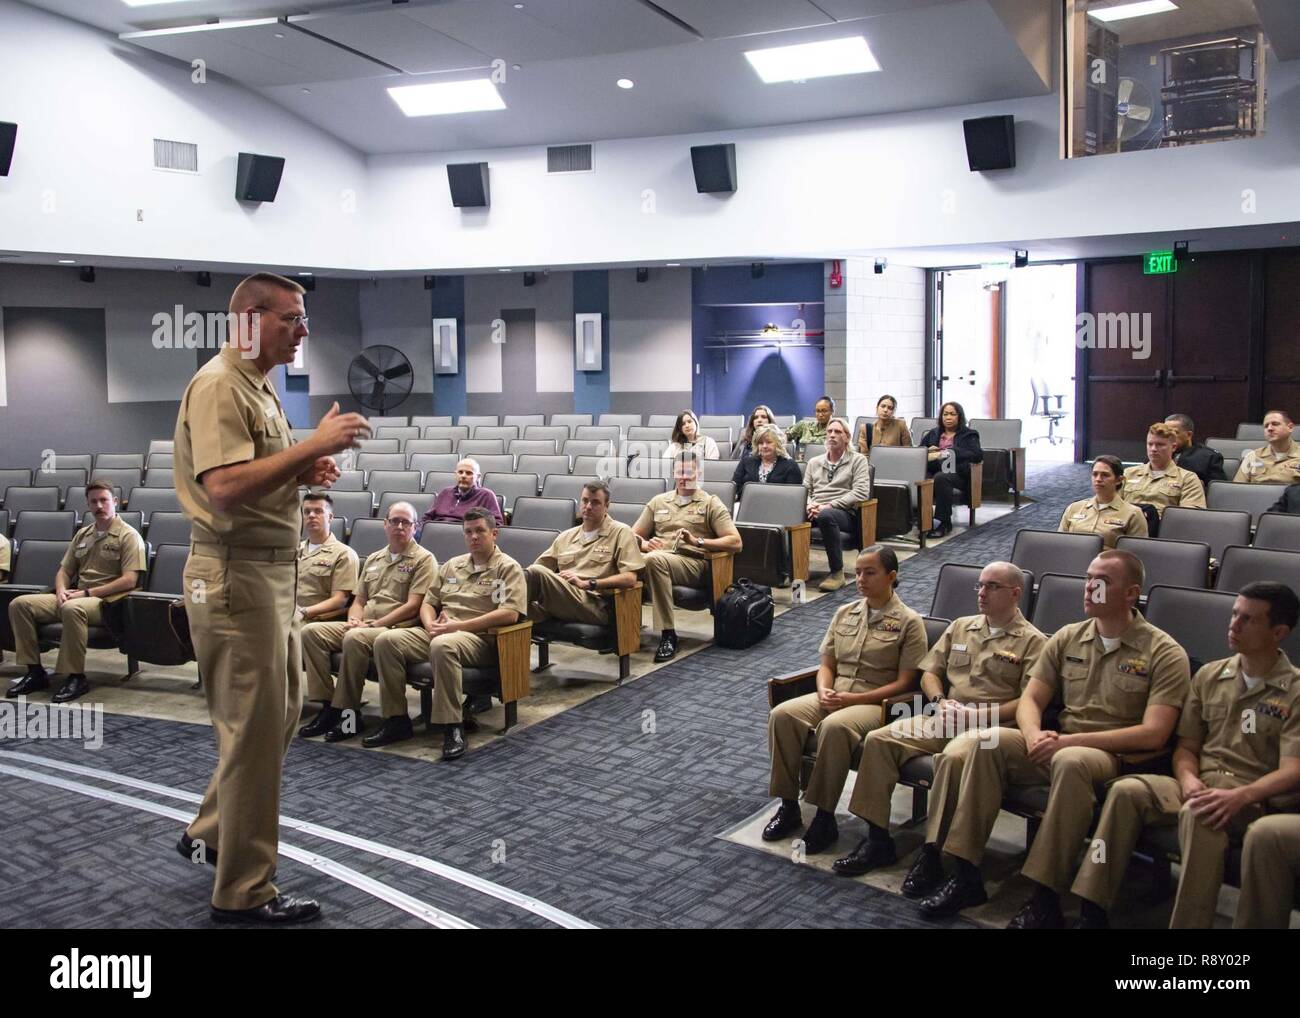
point(237, 472)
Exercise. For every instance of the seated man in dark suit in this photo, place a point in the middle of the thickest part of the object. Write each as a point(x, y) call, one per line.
point(1288, 501)
point(1200, 459)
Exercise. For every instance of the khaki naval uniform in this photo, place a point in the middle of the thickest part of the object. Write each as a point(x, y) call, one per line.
point(239, 583)
point(464, 591)
point(92, 559)
point(704, 516)
point(1175, 486)
point(5, 553)
point(1264, 466)
point(977, 667)
point(1110, 522)
point(1100, 692)
point(870, 649)
point(1243, 735)
point(386, 584)
point(614, 550)
point(322, 572)
point(1270, 869)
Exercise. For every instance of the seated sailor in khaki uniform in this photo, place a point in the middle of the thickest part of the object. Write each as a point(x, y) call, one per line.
point(327, 568)
point(101, 565)
point(392, 584)
point(872, 650)
point(1160, 482)
point(1107, 514)
point(1275, 463)
point(1238, 747)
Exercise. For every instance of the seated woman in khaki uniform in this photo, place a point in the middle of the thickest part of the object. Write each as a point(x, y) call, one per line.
point(1106, 514)
point(872, 650)
point(888, 429)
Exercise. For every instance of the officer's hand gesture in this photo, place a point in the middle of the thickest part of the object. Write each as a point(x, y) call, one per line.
point(322, 473)
point(570, 576)
point(1044, 748)
point(337, 431)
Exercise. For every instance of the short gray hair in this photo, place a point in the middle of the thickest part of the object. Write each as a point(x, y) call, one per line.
point(478, 471)
point(766, 431)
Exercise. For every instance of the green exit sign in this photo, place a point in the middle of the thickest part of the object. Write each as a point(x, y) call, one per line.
point(1155, 263)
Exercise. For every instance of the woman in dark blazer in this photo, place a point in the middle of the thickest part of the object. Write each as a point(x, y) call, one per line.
point(768, 462)
point(950, 441)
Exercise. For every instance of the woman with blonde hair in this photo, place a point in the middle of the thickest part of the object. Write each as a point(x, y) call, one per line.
point(768, 462)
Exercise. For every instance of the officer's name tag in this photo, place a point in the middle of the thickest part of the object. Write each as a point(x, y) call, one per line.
point(961, 647)
point(1079, 516)
point(1074, 660)
point(269, 412)
point(661, 514)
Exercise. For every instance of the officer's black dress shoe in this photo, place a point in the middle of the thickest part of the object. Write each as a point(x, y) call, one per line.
point(955, 894)
point(186, 848)
point(348, 726)
point(667, 647)
point(822, 833)
point(394, 729)
point(925, 875)
point(939, 530)
point(866, 857)
point(74, 687)
point(453, 742)
point(33, 682)
point(1037, 914)
point(321, 723)
point(283, 908)
point(478, 704)
point(787, 819)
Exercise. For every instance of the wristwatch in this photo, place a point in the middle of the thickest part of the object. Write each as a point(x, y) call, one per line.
point(591, 584)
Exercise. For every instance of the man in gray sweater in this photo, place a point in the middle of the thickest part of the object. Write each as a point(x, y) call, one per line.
point(836, 482)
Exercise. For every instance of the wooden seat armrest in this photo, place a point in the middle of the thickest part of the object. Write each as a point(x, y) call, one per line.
point(786, 687)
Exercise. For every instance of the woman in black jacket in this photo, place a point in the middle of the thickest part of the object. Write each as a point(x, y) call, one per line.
point(953, 448)
point(768, 463)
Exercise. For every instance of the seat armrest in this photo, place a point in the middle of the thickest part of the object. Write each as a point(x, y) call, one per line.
point(786, 687)
point(925, 504)
point(913, 701)
point(976, 486)
point(800, 535)
point(867, 521)
point(1017, 469)
point(722, 565)
point(514, 645)
point(627, 617)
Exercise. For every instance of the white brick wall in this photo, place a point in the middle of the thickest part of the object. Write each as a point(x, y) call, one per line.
point(875, 338)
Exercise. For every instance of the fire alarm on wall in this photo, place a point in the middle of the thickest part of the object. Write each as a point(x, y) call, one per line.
point(836, 279)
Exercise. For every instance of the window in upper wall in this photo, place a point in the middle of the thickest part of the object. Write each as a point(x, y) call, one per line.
point(1147, 74)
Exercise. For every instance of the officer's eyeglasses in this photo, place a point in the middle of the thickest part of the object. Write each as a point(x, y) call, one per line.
point(399, 523)
point(294, 320)
point(990, 587)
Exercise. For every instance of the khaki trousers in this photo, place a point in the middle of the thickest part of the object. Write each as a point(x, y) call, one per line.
point(549, 596)
point(662, 570)
point(78, 615)
point(838, 735)
point(1074, 775)
point(883, 756)
point(395, 651)
point(1156, 800)
point(1270, 864)
point(449, 654)
point(246, 636)
point(319, 641)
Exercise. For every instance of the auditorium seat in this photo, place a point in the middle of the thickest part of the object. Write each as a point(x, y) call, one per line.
point(476, 447)
point(621, 637)
point(387, 496)
point(904, 490)
point(430, 422)
point(126, 478)
point(1058, 602)
point(532, 512)
point(426, 462)
point(524, 544)
point(710, 470)
point(1168, 562)
point(502, 433)
point(472, 421)
point(726, 492)
point(637, 489)
point(1217, 528)
point(522, 421)
point(1241, 565)
point(117, 460)
point(15, 478)
point(564, 485)
point(19, 500)
point(736, 422)
point(812, 450)
point(402, 435)
point(668, 421)
point(165, 527)
point(436, 480)
point(558, 434)
point(447, 433)
point(493, 463)
point(620, 421)
point(379, 481)
point(574, 447)
point(920, 425)
point(1255, 499)
point(955, 596)
point(159, 477)
point(1048, 551)
point(1230, 467)
point(532, 447)
point(511, 486)
point(1004, 457)
point(63, 478)
point(148, 501)
point(162, 445)
point(626, 512)
point(570, 421)
point(542, 466)
point(45, 525)
point(369, 461)
point(723, 437)
point(160, 459)
point(598, 434)
point(664, 435)
point(353, 506)
point(508, 680)
point(1234, 447)
point(1252, 433)
point(75, 497)
point(1278, 530)
point(597, 466)
point(367, 536)
point(378, 422)
point(34, 565)
point(780, 508)
point(444, 540)
point(428, 446)
point(1197, 619)
point(378, 445)
point(349, 480)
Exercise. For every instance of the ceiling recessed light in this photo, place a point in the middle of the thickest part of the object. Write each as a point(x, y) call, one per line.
point(279, 35)
point(67, 261)
point(1134, 10)
point(503, 270)
point(519, 7)
point(148, 3)
point(447, 97)
point(625, 83)
point(306, 91)
point(516, 67)
point(813, 60)
point(672, 265)
point(305, 273)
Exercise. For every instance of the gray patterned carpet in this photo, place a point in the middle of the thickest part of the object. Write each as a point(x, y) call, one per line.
point(608, 811)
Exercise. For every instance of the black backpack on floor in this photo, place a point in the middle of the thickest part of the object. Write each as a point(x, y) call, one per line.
point(743, 615)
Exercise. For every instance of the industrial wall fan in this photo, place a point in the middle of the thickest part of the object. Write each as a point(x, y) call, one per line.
point(380, 378)
point(1133, 108)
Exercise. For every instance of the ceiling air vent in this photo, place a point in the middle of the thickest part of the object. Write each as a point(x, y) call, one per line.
point(179, 156)
point(568, 159)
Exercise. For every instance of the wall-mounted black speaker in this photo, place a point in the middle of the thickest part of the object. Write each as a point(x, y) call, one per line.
point(469, 185)
point(8, 132)
point(715, 168)
point(258, 177)
point(990, 143)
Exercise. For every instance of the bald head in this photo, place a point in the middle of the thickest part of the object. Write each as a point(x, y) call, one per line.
point(998, 592)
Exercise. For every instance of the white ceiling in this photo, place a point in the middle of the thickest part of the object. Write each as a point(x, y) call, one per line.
point(331, 61)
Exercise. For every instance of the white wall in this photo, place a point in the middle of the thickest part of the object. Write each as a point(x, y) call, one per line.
point(88, 107)
point(819, 189)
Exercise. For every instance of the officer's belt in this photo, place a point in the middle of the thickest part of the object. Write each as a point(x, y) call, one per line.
point(254, 553)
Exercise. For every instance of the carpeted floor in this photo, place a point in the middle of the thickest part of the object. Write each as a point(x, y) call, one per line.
point(611, 811)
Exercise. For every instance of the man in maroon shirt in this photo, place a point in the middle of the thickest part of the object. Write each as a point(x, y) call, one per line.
point(452, 503)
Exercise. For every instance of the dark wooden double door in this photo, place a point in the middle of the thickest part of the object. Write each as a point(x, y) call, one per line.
point(1224, 345)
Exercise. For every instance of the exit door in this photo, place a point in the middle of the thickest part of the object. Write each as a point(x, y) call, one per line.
point(968, 342)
